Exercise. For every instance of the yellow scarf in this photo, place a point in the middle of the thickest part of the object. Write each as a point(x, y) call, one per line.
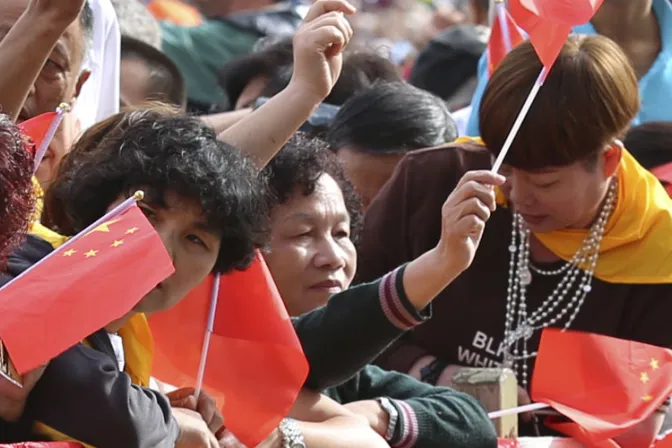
point(38, 229)
point(637, 243)
point(138, 349)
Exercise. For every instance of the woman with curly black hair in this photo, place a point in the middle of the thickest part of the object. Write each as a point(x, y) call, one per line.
point(16, 188)
point(315, 218)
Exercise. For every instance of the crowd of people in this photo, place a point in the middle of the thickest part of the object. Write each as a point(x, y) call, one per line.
point(352, 146)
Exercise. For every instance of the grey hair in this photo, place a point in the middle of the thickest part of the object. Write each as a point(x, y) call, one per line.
point(86, 21)
point(137, 22)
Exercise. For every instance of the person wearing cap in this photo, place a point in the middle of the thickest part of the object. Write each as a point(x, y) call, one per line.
point(643, 29)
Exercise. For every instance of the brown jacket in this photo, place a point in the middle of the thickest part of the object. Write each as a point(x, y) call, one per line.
point(468, 324)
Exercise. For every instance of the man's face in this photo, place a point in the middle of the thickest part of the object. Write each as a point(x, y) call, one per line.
point(60, 81)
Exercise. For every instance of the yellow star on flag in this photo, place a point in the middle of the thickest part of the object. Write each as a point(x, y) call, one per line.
point(132, 231)
point(647, 398)
point(654, 364)
point(69, 253)
point(117, 243)
point(644, 377)
point(91, 253)
point(105, 227)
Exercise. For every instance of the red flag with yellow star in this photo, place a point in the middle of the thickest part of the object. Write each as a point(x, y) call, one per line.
point(81, 287)
point(603, 384)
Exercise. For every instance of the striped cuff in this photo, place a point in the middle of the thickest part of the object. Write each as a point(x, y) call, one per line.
point(406, 435)
point(395, 304)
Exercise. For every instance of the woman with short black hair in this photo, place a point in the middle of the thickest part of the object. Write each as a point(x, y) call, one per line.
point(315, 216)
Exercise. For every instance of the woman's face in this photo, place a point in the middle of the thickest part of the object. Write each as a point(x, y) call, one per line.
point(367, 172)
point(312, 256)
point(557, 198)
point(192, 246)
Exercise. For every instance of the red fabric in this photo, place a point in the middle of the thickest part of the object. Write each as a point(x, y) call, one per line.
point(36, 129)
point(549, 22)
point(255, 361)
point(43, 445)
point(605, 385)
point(664, 173)
point(537, 442)
point(80, 288)
point(665, 442)
point(496, 44)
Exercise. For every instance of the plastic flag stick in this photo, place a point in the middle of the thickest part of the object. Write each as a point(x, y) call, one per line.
point(519, 120)
point(208, 333)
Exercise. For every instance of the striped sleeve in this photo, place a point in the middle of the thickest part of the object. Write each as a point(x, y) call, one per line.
point(407, 432)
point(395, 304)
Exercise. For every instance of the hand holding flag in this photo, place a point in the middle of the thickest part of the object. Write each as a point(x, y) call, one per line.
point(254, 358)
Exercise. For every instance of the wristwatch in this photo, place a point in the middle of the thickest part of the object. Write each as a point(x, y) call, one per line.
point(388, 407)
point(291, 434)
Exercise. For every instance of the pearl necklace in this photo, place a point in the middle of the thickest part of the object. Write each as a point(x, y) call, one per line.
point(520, 325)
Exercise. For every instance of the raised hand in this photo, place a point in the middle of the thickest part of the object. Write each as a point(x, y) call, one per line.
point(318, 47)
point(463, 217)
point(62, 11)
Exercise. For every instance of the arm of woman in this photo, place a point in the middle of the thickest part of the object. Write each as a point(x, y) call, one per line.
point(325, 423)
point(83, 396)
point(28, 44)
point(357, 324)
point(318, 60)
point(426, 416)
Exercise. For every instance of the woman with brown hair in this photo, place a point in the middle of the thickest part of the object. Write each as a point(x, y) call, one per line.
point(581, 242)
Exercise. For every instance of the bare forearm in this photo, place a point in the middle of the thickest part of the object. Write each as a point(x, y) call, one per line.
point(262, 133)
point(23, 53)
point(341, 432)
point(223, 121)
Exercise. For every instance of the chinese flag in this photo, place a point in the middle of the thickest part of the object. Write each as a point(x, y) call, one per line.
point(498, 46)
point(549, 22)
point(603, 384)
point(664, 173)
point(35, 129)
point(255, 365)
point(81, 287)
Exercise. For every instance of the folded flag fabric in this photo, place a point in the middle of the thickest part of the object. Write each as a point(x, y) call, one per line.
point(503, 38)
point(94, 279)
point(35, 130)
point(549, 22)
point(603, 384)
point(255, 365)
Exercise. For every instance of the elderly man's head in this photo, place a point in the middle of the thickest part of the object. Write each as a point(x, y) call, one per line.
point(60, 80)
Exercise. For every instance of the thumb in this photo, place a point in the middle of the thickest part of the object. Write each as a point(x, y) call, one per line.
point(187, 403)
